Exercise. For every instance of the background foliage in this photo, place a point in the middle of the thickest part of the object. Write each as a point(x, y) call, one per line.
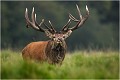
point(99, 32)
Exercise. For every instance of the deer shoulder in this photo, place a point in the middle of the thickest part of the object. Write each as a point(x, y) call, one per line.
point(35, 50)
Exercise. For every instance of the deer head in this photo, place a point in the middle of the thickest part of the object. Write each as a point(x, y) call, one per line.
point(57, 37)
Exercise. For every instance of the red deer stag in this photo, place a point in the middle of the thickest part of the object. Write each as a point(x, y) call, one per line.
point(53, 51)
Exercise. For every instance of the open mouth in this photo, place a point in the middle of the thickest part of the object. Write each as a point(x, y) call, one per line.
point(59, 41)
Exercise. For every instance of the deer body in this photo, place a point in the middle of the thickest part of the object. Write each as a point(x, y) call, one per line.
point(54, 50)
point(45, 51)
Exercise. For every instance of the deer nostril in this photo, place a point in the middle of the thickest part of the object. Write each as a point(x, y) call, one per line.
point(59, 39)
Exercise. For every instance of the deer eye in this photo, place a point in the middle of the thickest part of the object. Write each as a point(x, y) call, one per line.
point(53, 36)
point(63, 36)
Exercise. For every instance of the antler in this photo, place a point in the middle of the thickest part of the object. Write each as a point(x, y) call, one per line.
point(34, 23)
point(79, 22)
point(66, 26)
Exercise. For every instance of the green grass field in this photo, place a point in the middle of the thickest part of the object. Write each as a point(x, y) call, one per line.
point(81, 64)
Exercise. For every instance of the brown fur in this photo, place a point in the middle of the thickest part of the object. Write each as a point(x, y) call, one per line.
point(35, 50)
point(45, 51)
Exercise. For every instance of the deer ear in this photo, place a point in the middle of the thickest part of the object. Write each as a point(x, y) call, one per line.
point(48, 33)
point(68, 33)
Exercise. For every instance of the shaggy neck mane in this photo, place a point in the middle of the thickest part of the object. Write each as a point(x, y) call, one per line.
point(56, 52)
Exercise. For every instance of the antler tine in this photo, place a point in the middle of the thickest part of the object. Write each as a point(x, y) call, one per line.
point(41, 22)
point(41, 29)
point(36, 21)
point(87, 10)
point(46, 26)
point(33, 15)
point(53, 29)
point(73, 18)
point(27, 19)
point(79, 11)
point(65, 28)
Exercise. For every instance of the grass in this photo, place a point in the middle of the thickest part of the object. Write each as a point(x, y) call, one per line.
point(81, 64)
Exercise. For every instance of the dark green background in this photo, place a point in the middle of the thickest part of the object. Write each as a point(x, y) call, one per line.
point(100, 31)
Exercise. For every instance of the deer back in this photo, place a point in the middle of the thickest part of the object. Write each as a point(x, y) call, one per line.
point(35, 50)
